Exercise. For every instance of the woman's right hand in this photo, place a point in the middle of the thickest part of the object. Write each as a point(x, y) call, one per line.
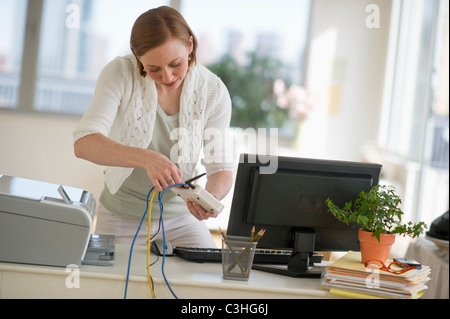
point(101, 150)
point(162, 171)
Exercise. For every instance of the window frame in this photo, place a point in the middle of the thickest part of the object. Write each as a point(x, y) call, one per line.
point(26, 91)
point(414, 154)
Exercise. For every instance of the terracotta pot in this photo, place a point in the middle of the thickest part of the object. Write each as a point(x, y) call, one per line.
point(372, 249)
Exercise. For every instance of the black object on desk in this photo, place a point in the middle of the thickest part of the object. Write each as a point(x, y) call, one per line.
point(262, 256)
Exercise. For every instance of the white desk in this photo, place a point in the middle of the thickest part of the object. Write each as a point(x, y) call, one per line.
point(188, 280)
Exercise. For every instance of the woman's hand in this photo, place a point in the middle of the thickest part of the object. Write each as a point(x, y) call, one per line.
point(218, 185)
point(198, 212)
point(162, 171)
point(101, 150)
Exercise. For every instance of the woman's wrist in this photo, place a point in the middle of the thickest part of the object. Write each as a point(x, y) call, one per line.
point(219, 184)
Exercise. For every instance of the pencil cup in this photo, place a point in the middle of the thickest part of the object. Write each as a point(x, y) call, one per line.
point(237, 257)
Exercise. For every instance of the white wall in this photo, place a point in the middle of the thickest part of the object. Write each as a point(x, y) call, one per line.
point(346, 72)
point(40, 147)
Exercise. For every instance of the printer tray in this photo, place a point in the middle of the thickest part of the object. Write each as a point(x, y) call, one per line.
point(100, 251)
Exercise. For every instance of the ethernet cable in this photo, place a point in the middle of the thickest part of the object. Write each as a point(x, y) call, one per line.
point(132, 245)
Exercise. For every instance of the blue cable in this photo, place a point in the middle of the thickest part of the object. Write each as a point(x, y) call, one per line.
point(164, 239)
point(132, 244)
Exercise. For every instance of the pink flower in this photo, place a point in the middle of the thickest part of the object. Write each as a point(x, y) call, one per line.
point(296, 98)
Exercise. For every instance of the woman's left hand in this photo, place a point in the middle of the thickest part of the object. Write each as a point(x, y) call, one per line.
point(198, 212)
point(218, 185)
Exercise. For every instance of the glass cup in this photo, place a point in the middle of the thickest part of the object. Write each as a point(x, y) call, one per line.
point(237, 257)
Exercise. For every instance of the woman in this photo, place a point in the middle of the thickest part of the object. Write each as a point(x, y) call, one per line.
point(146, 124)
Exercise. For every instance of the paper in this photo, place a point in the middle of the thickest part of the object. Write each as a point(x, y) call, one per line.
point(349, 277)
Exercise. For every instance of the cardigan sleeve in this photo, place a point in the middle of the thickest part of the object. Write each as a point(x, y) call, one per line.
point(217, 151)
point(109, 92)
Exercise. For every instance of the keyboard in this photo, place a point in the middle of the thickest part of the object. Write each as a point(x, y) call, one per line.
point(262, 256)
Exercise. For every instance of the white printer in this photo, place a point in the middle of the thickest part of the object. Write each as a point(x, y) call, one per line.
point(48, 224)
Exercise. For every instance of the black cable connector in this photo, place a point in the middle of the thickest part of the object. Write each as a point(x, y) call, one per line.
point(189, 181)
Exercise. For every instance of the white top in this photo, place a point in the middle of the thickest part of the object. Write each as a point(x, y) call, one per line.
point(124, 109)
point(131, 198)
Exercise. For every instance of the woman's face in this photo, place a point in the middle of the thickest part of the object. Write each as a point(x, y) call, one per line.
point(167, 64)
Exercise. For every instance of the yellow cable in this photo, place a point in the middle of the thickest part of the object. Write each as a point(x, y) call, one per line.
point(148, 246)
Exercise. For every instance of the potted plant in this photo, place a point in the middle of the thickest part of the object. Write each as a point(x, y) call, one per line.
point(378, 214)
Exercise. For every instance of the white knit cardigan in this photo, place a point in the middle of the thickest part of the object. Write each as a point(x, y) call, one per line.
point(124, 109)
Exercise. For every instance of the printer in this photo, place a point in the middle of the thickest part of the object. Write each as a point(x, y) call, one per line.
point(48, 224)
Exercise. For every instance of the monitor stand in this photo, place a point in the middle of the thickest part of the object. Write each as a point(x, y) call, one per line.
point(301, 262)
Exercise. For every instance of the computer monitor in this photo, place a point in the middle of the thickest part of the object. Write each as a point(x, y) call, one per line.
point(289, 202)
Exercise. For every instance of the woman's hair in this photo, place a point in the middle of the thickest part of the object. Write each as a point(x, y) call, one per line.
point(156, 26)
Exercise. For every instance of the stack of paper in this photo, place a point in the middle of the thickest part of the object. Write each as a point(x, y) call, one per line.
point(349, 277)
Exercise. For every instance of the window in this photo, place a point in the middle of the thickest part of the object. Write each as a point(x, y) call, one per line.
point(69, 42)
point(238, 27)
point(12, 24)
point(415, 127)
point(250, 44)
point(62, 45)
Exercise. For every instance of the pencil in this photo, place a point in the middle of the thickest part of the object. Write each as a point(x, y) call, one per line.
point(259, 235)
point(223, 234)
point(252, 234)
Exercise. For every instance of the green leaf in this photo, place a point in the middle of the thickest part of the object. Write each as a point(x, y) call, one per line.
point(377, 211)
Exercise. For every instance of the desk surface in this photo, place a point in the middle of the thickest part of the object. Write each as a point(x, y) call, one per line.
point(189, 280)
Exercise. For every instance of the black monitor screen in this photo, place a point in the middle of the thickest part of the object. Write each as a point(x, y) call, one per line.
point(289, 202)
